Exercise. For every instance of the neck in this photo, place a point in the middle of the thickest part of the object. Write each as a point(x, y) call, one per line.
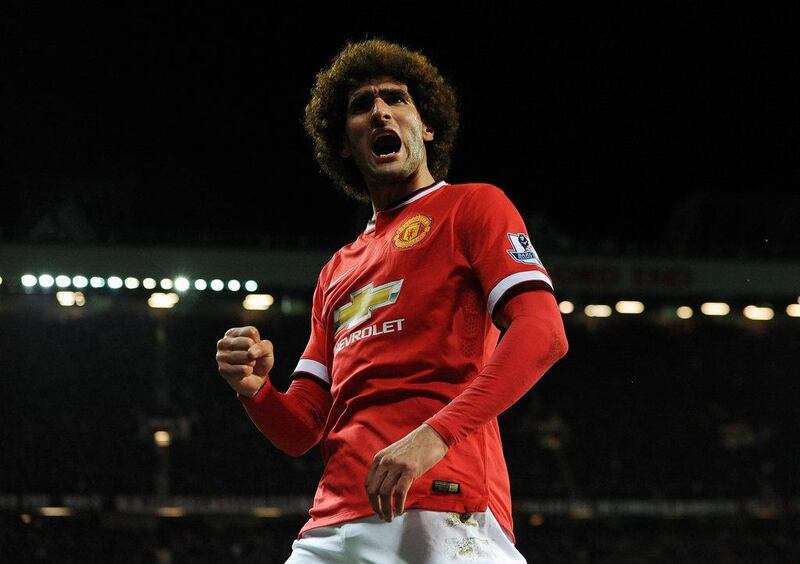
point(383, 194)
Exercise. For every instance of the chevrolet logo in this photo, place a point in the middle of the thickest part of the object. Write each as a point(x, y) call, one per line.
point(363, 302)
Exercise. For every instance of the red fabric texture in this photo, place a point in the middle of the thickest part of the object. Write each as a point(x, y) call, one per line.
point(292, 421)
point(533, 342)
point(439, 268)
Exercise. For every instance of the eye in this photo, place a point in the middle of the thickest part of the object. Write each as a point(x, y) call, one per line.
point(395, 99)
point(361, 104)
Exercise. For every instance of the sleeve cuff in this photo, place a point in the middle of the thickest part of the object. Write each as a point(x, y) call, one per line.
point(258, 396)
point(442, 431)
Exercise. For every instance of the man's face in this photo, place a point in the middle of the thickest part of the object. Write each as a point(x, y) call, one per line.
point(384, 132)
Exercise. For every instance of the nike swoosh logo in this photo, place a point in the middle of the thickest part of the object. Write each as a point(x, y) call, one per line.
point(338, 278)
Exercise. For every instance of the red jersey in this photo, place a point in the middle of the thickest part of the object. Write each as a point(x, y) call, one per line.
point(401, 324)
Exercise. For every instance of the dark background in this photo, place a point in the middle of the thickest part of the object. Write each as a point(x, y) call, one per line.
point(181, 122)
point(668, 131)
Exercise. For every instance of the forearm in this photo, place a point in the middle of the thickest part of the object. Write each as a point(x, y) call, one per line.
point(292, 421)
point(533, 342)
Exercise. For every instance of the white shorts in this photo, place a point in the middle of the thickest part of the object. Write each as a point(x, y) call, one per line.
point(416, 537)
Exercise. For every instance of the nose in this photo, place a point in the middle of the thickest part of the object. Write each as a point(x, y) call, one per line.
point(380, 111)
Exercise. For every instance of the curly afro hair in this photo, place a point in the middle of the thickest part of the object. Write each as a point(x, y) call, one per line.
point(357, 63)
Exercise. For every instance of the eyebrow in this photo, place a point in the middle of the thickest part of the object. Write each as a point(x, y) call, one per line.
point(382, 92)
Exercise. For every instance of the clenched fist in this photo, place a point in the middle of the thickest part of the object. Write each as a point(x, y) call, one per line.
point(244, 360)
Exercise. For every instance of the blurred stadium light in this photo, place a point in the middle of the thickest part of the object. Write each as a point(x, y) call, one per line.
point(68, 299)
point(46, 281)
point(55, 511)
point(597, 310)
point(159, 300)
point(629, 307)
point(162, 439)
point(259, 302)
point(757, 313)
point(715, 308)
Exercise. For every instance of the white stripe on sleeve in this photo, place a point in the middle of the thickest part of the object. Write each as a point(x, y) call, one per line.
point(313, 367)
point(510, 281)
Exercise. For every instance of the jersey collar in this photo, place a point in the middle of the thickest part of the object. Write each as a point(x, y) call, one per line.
point(412, 197)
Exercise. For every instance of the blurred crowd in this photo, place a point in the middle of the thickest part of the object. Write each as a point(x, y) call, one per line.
point(638, 409)
point(759, 223)
point(556, 541)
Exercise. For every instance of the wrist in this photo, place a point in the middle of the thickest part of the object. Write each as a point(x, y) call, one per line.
point(250, 393)
point(435, 436)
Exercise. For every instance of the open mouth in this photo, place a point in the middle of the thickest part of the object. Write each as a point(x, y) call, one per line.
point(386, 144)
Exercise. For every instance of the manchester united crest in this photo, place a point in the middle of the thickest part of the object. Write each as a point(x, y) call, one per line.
point(412, 231)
